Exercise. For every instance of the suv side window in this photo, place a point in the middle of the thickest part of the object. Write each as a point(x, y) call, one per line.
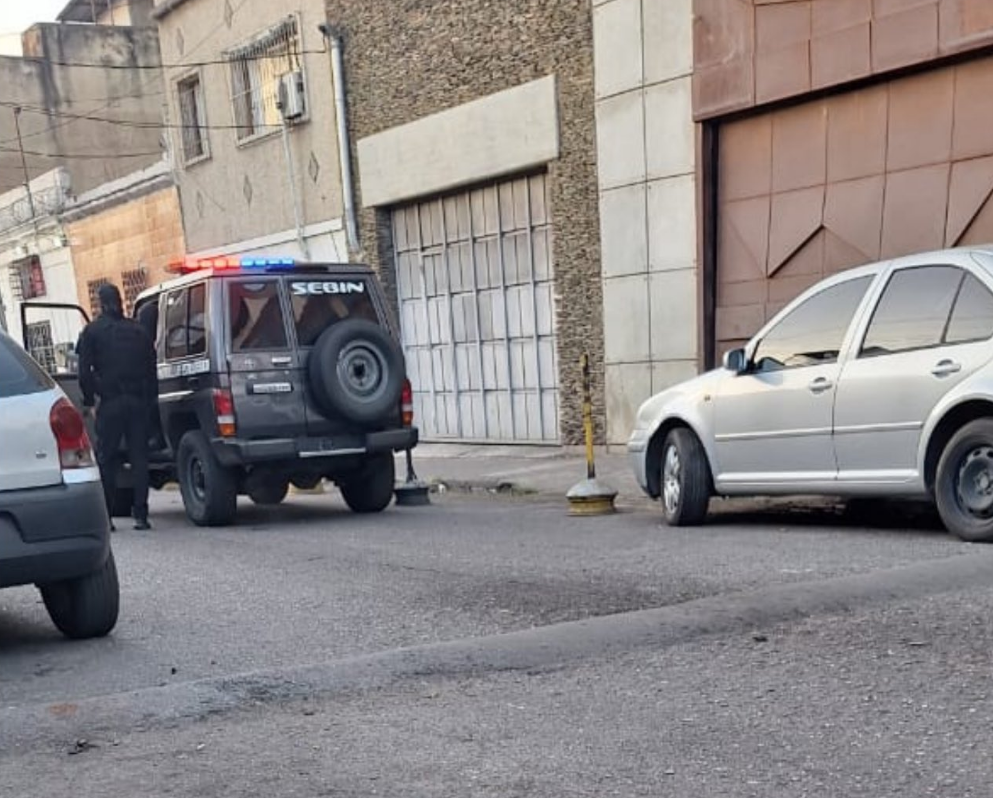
point(972, 316)
point(175, 324)
point(185, 322)
point(913, 312)
point(256, 316)
point(314, 312)
point(812, 333)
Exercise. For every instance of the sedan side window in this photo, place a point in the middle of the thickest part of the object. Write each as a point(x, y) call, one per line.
point(913, 312)
point(812, 333)
point(972, 316)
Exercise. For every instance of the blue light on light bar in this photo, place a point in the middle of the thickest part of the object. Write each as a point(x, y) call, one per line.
point(267, 263)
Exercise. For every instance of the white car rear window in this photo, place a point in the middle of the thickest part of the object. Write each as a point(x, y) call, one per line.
point(19, 374)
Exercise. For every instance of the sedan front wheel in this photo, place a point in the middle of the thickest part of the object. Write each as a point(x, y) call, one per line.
point(685, 479)
point(963, 488)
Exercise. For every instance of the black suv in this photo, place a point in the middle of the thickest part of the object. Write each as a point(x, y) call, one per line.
point(274, 373)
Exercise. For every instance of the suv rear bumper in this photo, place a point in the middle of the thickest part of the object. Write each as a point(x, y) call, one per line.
point(51, 534)
point(236, 451)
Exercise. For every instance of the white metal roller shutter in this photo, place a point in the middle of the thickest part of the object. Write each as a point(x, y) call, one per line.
point(477, 313)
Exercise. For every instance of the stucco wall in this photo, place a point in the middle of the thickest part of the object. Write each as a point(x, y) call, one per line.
point(144, 233)
point(242, 192)
point(54, 96)
point(405, 61)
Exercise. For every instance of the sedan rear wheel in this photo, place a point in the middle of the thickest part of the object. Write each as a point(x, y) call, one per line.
point(964, 485)
point(685, 479)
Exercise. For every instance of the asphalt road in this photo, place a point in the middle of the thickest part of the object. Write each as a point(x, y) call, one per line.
point(325, 634)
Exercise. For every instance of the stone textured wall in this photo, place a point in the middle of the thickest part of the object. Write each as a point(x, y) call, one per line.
point(145, 233)
point(405, 59)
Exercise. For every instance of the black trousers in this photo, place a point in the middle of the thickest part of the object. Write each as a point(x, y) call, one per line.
point(124, 418)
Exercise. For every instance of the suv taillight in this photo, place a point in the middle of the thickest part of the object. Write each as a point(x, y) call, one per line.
point(407, 404)
point(70, 435)
point(224, 410)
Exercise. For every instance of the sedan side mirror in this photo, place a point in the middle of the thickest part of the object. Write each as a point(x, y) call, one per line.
point(736, 360)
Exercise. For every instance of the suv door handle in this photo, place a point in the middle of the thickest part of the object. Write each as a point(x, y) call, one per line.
point(820, 385)
point(281, 360)
point(945, 367)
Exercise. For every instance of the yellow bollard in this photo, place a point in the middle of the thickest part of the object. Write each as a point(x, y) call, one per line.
point(589, 497)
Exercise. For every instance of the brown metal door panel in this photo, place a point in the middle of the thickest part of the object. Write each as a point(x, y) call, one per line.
point(898, 167)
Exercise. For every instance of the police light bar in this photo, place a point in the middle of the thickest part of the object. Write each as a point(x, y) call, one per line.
point(189, 265)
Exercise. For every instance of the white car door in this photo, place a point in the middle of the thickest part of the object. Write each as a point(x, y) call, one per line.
point(929, 331)
point(773, 423)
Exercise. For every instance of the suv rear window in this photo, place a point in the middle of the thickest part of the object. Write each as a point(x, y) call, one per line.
point(319, 304)
point(19, 374)
point(256, 316)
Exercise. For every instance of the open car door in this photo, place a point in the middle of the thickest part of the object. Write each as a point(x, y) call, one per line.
point(50, 331)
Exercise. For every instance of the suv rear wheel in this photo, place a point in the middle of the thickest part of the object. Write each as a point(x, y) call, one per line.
point(210, 491)
point(87, 606)
point(371, 489)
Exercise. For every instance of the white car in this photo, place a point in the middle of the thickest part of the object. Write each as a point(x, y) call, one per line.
point(54, 528)
point(876, 382)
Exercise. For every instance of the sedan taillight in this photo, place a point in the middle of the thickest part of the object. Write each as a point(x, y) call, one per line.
point(70, 435)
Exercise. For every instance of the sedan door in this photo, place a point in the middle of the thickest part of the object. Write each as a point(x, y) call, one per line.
point(773, 423)
point(929, 331)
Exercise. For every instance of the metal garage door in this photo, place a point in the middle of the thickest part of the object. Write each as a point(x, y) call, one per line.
point(474, 277)
point(900, 167)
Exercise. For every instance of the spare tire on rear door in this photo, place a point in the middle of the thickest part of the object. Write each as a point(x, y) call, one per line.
point(356, 371)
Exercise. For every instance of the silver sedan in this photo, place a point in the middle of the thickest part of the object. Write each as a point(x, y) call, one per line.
point(877, 381)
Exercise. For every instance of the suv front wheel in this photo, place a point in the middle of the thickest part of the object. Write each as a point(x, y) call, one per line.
point(371, 489)
point(210, 491)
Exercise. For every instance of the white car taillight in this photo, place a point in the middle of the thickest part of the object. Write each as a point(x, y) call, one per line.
point(70, 435)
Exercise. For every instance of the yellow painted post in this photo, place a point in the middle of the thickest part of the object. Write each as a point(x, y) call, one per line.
point(589, 497)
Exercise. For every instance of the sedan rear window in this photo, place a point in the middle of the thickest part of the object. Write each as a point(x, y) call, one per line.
point(319, 304)
point(19, 374)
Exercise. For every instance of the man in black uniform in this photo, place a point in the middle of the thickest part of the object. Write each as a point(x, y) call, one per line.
point(117, 365)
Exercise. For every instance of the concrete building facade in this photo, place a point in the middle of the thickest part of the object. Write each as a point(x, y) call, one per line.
point(646, 146)
point(473, 137)
point(243, 189)
point(87, 98)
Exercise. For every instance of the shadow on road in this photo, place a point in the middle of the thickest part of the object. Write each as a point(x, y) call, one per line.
point(861, 514)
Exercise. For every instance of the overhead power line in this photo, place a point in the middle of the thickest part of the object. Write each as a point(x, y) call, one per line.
point(181, 64)
point(146, 81)
point(81, 156)
point(130, 123)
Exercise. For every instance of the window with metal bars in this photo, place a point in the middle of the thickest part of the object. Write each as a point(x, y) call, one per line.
point(255, 72)
point(134, 282)
point(193, 119)
point(40, 345)
point(92, 287)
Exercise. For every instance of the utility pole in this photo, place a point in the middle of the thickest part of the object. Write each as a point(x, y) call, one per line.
point(24, 166)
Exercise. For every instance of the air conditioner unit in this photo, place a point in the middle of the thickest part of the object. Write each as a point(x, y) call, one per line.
point(291, 99)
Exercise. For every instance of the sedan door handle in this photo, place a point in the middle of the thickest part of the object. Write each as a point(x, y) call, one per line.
point(945, 367)
point(820, 385)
